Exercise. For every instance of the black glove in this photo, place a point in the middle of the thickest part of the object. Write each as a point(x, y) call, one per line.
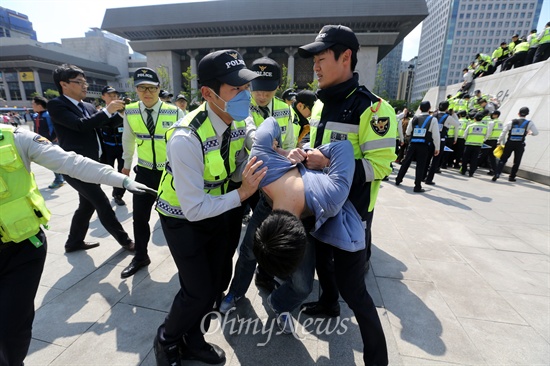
point(137, 188)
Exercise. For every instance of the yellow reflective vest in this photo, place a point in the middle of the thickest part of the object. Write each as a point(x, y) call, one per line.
point(22, 207)
point(284, 115)
point(151, 149)
point(476, 134)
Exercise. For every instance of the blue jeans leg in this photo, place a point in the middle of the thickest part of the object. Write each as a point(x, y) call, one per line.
point(246, 264)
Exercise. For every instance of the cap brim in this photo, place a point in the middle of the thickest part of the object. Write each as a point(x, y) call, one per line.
point(264, 85)
point(145, 82)
point(239, 77)
point(310, 50)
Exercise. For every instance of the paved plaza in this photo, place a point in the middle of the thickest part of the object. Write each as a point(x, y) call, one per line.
point(459, 274)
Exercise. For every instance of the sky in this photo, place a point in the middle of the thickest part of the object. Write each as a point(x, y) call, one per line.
point(56, 19)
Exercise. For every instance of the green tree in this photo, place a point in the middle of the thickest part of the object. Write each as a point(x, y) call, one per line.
point(34, 94)
point(50, 94)
point(190, 94)
point(398, 103)
point(313, 86)
point(285, 82)
point(413, 106)
point(132, 94)
point(164, 78)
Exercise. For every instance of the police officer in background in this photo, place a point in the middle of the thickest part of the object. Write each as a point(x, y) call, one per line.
point(474, 136)
point(112, 139)
point(203, 152)
point(302, 106)
point(423, 131)
point(145, 124)
point(181, 102)
point(513, 138)
point(288, 96)
point(23, 244)
point(495, 129)
point(543, 50)
point(533, 40)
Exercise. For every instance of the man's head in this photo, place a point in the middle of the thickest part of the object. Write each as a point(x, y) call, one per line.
point(266, 84)
point(70, 81)
point(478, 116)
point(223, 76)
point(39, 104)
point(523, 111)
point(482, 102)
point(147, 83)
point(280, 243)
point(289, 96)
point(181, 102)
point(465, 70)
point(304, 102)
point(461, 114)
point(334, 54)
point(443, 106)
point(503, 45)
point(495, 114)
point(108, 94)
point(425, 106)
point(477, 93)
point(515, 37)
point(165, 96)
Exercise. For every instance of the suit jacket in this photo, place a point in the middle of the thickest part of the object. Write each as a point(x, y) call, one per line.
point(76, 132)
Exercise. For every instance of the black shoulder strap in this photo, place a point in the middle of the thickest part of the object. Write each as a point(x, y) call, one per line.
point(195, 124)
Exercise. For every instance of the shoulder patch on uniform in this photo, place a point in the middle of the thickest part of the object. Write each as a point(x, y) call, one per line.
point(380, 125)
point(41, 140)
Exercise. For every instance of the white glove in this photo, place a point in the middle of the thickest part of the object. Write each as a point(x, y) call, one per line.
point(137, 188)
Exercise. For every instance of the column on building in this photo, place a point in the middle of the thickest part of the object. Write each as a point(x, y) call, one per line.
point(37, 84)
point(171, 61)
point(6, 87)
point(194, 71)
point(366, 65)
point(291, 51)
point(265, 51)
point(21, 86)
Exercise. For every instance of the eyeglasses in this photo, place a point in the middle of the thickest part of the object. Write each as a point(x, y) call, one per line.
point(79, 82)
point(150, 89)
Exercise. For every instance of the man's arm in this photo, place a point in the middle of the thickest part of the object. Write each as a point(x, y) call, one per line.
point(128, 145)
point(505, 129)
point(62, 114)
point(532, 129)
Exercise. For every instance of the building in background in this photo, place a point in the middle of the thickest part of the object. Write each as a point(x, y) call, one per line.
point(456, 30)
point(387, 77)
point(406, 79)
point(15, 25)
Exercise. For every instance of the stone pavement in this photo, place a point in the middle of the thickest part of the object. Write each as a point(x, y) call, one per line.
point(460, 275)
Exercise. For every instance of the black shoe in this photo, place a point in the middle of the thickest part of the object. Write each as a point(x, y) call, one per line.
point(84, 246)
point(511, 179)
point(119, 201)
point(430, 183)
point(385, 179)
point(398, 181)
point(490, 172)
point(266, 282)
point(168, 355)
point(419, 190)
point(130, 246)
point(471, 175)
point(134, 266)
point(494, 179)
point(317, 309)
point(210, 354)
point(462, 171)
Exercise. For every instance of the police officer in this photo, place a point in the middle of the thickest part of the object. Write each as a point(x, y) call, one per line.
point(289, 95)
point(500, 55)
point(202, 154)
point(302, 106)
point(533, 40)
point(165, 96)
point(543, 50)
point(145, 124)
point(346, 111)
point(181, 102)
point(494, 130)
point(458, 148)
point(22, 241)
point(112, 139)
point(423, 131)
point(513, 138)
point(474, 136)
point(518, 55)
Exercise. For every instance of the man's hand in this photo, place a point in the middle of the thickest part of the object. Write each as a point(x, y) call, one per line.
point(436, 152)
point(251, 178)
point(137, 188)
point(114, 106)
point(316, 160)
point(125, 171)
point(296, 156)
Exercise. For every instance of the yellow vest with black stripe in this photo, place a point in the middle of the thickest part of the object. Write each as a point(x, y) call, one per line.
point(216, 178)
point(22, 207)
point(497, 129)
point(151, 149)
point(281, 111)
point(476, 134)
point(372, 138)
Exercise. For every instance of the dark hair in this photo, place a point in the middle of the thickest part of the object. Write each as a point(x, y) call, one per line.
point(503, 43)
point(41, 101)
point(338, 49)
point(497, 112)
point(443, 106)
point(213, 84)
point(523, 111)
point(280, 243)
point(461, 113)
point(65, 72)
point(481, 100)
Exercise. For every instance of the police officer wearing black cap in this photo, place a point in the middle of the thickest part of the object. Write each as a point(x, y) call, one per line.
point(423, 131)
point(289, 95)
point(145, 124)
point(513, 138)
point(181, 102)
point(203, 150)
point(165, 96)
point(112, 138)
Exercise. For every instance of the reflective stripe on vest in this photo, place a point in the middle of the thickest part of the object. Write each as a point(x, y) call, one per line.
point(151, 149)
point(497, 129)
point(22, 206)
point(216, 179)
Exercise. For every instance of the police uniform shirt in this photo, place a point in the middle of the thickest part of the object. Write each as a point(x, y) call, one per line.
point(129, 136)
point(184, 152)
point(37, 149)
point(508, 126)
point(433, 128)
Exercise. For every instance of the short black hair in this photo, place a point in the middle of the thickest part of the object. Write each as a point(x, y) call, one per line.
point(280, 243)
point(41, 101)
point(497, 112)
point(338, 49)
point(213, 84)
point(443, 106)
point(65, 73)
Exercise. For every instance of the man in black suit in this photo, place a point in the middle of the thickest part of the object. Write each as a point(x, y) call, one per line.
point(76, 122)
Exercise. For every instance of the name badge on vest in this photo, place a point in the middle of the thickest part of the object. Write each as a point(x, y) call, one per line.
point(477, 130)
point(337, 136)
point(518, 131)
point(419, 132)
point(167, 124)
point(121, 129)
